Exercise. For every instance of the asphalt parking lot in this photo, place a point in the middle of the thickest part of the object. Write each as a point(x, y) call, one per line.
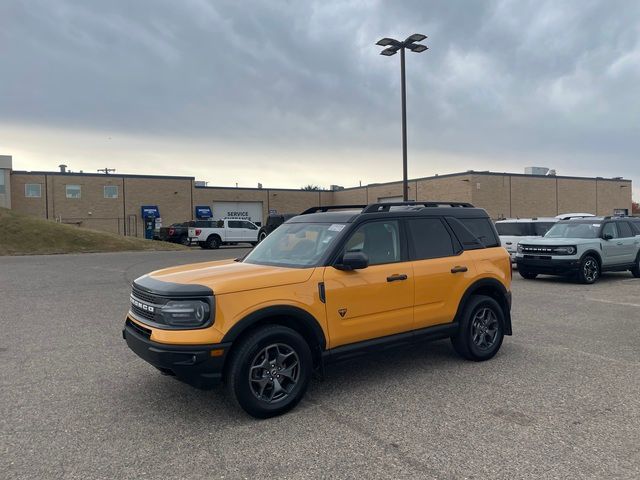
point(560, 400)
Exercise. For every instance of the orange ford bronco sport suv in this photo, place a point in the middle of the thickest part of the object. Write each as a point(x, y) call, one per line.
point(329, 284)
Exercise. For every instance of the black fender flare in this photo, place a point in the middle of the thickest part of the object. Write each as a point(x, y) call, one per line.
point(593, 253)
point(288, 315)
point(493, 288)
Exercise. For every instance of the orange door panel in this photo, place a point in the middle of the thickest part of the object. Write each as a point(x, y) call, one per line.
point(368, 303)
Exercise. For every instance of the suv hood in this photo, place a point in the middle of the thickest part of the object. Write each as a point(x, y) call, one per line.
point(228, 276)
point(558, 241)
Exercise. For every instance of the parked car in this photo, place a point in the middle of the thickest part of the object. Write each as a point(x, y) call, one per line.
point(516, 230)
point(176, 233)
point(326, 286)
point(224, 232)
point(583, 248)
point(273, 222)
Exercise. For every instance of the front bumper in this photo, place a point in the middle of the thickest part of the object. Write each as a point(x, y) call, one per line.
point(546, 265)
point(192, 364)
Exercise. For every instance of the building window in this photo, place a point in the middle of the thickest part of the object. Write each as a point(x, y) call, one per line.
point(2, 187)
point(73, 191)
point(33, 190)
point(110, 191)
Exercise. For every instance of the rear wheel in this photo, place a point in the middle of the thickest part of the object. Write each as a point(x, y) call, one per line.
point(635, 271)
point(589, 270)
point(270, 371)
point(481, 329)
point(527, 274)
point(262, 236)
point(213, 242)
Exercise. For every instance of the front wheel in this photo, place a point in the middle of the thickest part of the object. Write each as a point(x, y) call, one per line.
point(262, 236)
point(589, 270)
point(481, 331)
point(270, 371)
point(635, 271)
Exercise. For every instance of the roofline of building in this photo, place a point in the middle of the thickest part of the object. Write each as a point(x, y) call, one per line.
point(488, 173)
point(433, 177)
point(101, 175)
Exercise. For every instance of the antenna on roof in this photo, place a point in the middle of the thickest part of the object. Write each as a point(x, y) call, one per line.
point(106, 170)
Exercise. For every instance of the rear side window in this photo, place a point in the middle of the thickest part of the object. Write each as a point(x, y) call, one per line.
point(514, 229)
point(635, 226)
point(235, 224)
point(625, 230)
point(482, 229)
point(429, 238)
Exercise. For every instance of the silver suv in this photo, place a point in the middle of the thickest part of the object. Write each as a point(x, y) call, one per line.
point(583, 248)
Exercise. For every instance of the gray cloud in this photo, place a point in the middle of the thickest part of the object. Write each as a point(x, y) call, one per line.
point(506, 83)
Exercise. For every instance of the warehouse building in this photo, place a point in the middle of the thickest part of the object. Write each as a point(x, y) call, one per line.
point(135, 204)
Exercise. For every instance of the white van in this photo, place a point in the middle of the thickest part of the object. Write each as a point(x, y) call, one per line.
point(513, 231)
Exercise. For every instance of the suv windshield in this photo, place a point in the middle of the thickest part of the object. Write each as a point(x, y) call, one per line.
point(586, 229)
point(295, 244)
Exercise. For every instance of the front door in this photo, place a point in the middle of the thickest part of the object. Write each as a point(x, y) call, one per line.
point(249, 232)
point(375, 301)
point(234, 232)
point(612, 249)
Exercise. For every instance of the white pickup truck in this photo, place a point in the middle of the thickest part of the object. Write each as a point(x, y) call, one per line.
point(226, 232)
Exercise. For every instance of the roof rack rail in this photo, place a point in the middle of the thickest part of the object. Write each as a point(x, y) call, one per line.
point(384, 207)
point(326, 208)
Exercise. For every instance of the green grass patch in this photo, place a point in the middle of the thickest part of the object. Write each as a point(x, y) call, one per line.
point(25, 235)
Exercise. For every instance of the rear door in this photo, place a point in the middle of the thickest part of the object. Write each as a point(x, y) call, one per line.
point(234, 231)
point(442, 271)
point(375, 301)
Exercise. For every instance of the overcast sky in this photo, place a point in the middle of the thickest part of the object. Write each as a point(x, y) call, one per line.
point(288, 93)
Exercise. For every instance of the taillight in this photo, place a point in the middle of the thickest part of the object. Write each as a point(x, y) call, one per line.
point(171, 231)
point(198, 232)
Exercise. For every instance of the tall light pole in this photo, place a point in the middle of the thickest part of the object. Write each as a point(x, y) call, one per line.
point(393, 46)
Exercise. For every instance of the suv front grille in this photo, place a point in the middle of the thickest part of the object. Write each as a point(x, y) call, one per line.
point(147, 297)
point(538, 250)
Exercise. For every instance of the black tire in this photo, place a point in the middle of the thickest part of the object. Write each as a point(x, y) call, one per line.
point(480, 334)
point(278, 341)
point(589, 270)
point(635, 271)
point(261, 236)
point(184, 240)
point(527, 274)
point(213, 242)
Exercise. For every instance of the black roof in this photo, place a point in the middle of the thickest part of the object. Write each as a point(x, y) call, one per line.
point(349, 213)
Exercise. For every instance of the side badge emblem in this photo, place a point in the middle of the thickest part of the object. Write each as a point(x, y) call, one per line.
point(342, 312)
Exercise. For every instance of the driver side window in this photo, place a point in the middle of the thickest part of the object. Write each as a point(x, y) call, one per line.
point(380, 241)
point(610, 229)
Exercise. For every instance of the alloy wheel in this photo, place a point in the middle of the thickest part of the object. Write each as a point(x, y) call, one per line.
point(274, 372)
point(590, 270)
point(484, 328)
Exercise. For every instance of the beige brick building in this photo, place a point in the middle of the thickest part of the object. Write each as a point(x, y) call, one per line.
point(113, 202)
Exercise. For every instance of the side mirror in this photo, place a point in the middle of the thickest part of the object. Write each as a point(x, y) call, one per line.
point(353, 261)
point(607, 236)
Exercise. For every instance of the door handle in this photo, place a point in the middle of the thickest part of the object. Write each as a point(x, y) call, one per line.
point(396, 278)
point(619, 243)
point(459, 269)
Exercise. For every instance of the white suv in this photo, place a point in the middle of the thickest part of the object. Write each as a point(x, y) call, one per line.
point(515, 230)
point(583, 247)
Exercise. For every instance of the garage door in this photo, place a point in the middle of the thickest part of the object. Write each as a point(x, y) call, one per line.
point(251, 211)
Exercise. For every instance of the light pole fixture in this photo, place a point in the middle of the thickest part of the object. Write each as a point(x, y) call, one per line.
point(392, 46)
